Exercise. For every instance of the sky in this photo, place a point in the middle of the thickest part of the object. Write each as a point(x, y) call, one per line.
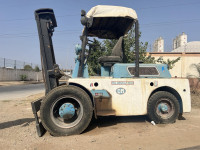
point(19, 38)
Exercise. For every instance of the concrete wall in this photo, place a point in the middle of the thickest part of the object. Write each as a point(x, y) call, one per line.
point(183, 67)
point(14, 74)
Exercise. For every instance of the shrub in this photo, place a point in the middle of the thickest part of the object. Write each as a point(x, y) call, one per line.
point(23, 77)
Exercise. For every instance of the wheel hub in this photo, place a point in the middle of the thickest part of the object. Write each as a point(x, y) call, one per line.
point(163, 108)
point(67, 111)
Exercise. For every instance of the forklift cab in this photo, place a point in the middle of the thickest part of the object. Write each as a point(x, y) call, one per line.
point(103, 23)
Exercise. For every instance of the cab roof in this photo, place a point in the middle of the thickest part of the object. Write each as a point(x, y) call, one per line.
point(110, 22)
point(111, 11)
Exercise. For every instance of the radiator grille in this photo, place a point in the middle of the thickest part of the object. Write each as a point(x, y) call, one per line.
point(144, 71)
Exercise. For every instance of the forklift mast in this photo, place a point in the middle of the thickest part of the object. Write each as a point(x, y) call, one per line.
point(46, 22)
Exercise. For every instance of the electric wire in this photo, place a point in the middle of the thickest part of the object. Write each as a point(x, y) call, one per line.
point(7, 35)
point(184, 4)
point(78, 31)
point(68, 15)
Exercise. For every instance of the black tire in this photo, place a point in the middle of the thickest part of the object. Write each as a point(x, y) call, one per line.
point(52, 103)
point(163, 107)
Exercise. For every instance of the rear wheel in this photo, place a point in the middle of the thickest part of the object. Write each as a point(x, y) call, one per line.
point(66, 110)
point(163, 107)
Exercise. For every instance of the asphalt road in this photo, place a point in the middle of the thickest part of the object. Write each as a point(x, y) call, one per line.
point(20, 91)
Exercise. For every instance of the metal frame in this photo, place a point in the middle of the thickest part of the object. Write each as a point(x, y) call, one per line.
point(82, 55)
point(137, 49)
point(46, 23)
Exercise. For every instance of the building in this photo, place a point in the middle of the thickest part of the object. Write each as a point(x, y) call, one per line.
point(158, 45)
point(180, 44)
point(193, 46)
point(180, 41)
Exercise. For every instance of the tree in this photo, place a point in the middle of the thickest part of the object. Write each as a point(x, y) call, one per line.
point(37, 69)
point(150, 60)
point(105, 49)
point(95, 53)
point(129, 47)
point(28, 68)
point(170, 63)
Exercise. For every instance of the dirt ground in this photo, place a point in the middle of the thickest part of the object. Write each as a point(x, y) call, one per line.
point(17, 131)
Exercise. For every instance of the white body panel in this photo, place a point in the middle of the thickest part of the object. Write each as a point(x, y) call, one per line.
point(133, 100)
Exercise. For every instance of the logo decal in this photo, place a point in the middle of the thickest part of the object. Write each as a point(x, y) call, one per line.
point(120, 91)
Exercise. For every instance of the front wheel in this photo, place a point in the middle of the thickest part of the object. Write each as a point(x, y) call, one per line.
point(66, 110)
point(163, 107)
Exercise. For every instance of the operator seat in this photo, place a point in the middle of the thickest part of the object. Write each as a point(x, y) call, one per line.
point(116, 56)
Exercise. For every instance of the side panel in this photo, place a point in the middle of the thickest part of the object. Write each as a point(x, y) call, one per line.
point(180, 85)
point(126, 95)
point(130, 96)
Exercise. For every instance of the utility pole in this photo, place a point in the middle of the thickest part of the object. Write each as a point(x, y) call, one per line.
point(4, 63)
point(15, 65)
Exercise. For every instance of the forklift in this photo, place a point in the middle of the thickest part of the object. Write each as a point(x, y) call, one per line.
point(122, 89)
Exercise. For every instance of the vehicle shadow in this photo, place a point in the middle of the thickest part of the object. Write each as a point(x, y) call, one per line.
point(107, 121)
point(191, 148)
point(17, 122)
point(101, 122)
